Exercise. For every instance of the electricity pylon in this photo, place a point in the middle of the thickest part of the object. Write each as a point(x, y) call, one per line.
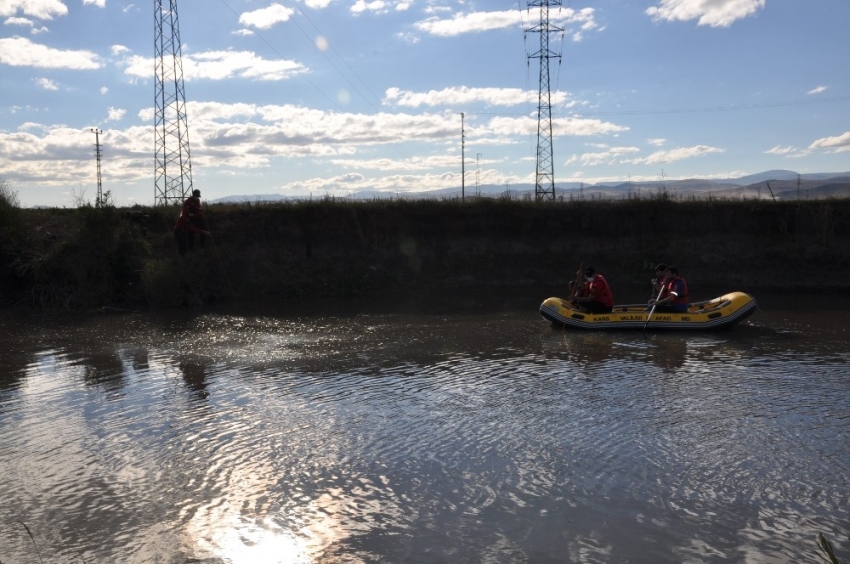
point(545, 177)
point(173, 167)
point(98, 153)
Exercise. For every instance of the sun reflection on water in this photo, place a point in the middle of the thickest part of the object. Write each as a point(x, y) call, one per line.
point(261, 542)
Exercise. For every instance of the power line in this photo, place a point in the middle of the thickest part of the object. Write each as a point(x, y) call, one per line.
point(722, 108)
point(301, 29)
point(734, 107)
point(270, 46)
point(343, 62)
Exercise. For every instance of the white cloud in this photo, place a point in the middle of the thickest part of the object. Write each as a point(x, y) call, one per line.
point(119, 50)
point(19, 21)
point(610, 156)
point(32, 125)
point(714, 13)
point(41, 9)
point(577, 127)
point(465, 95)
point(486, 21)
point(292, 130)
point(104, 89)
point(673, 155)
point(115, 114)
point(317, 4)
point(408, 164)
point(21, 52)
point(656, 142)
point(362, 6)
point(817, 90)
point(243, 32)
point(46, 83)
point(98, 3)
point(60, 155)
point(837, 144)
point(778, 150)
point(265, 18)
point(220, 65)
point(392, 184)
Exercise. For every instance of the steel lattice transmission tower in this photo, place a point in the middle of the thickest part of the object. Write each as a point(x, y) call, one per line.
point(98, 153)
point(173, 167)
point(545, 177)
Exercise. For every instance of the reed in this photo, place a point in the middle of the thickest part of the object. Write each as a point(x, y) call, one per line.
point(33, 541)
point(825, 547)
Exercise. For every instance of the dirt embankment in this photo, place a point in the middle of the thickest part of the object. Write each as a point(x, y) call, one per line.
point(82, 258)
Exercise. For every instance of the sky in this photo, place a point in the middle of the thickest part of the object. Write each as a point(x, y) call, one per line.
point(332, 97)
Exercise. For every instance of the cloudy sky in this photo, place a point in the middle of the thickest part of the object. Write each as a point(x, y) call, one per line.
point(320, 97)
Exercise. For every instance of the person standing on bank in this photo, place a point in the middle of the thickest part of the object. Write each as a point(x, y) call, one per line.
point(197, 218)
point(594, 296)
point(185, 228)
point(674, 298)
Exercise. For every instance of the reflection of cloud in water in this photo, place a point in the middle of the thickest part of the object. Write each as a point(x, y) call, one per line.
point(237, 528)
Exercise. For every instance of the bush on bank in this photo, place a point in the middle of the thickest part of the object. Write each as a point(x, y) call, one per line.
point(102, 256)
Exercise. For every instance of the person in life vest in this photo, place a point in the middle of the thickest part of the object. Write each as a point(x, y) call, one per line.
point(190, 221)
point(197, 218)
point(594, 296)
point(659, 282)
point(674, 297)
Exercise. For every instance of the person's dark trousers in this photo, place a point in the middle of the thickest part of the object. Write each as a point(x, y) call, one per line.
point(200, 224)
point(598, 307)
point(182, 237)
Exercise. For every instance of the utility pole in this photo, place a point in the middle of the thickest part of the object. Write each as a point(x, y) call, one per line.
point(173, 166)
point(98, 202)
point(477, 171)
point(545, 175)
point(462, 159)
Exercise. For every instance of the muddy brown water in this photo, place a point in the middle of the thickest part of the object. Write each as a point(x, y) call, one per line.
point(422, 430)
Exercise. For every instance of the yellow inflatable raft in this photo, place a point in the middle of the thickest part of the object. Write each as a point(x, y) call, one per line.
point(719, 313)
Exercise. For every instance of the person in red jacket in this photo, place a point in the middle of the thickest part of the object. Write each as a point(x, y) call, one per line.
point(190, 221)
point(595, 295)
point(197, 218)
point(674, 297)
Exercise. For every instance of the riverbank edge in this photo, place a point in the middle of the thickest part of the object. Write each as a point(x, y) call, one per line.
point(88, 258)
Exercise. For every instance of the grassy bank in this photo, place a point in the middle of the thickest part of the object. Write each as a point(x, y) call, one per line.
point(92, 257)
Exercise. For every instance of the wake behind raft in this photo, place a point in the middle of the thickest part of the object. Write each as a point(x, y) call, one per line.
point(719, 313)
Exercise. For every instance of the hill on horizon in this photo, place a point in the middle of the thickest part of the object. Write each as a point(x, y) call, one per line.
point(784, 185)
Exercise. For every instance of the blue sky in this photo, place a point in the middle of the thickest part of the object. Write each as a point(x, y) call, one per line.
point(299, 97)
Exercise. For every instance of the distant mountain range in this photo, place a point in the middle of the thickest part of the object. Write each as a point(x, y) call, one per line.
point(771, 184)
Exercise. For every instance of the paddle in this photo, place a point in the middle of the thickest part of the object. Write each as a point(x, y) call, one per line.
point(651, 311)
